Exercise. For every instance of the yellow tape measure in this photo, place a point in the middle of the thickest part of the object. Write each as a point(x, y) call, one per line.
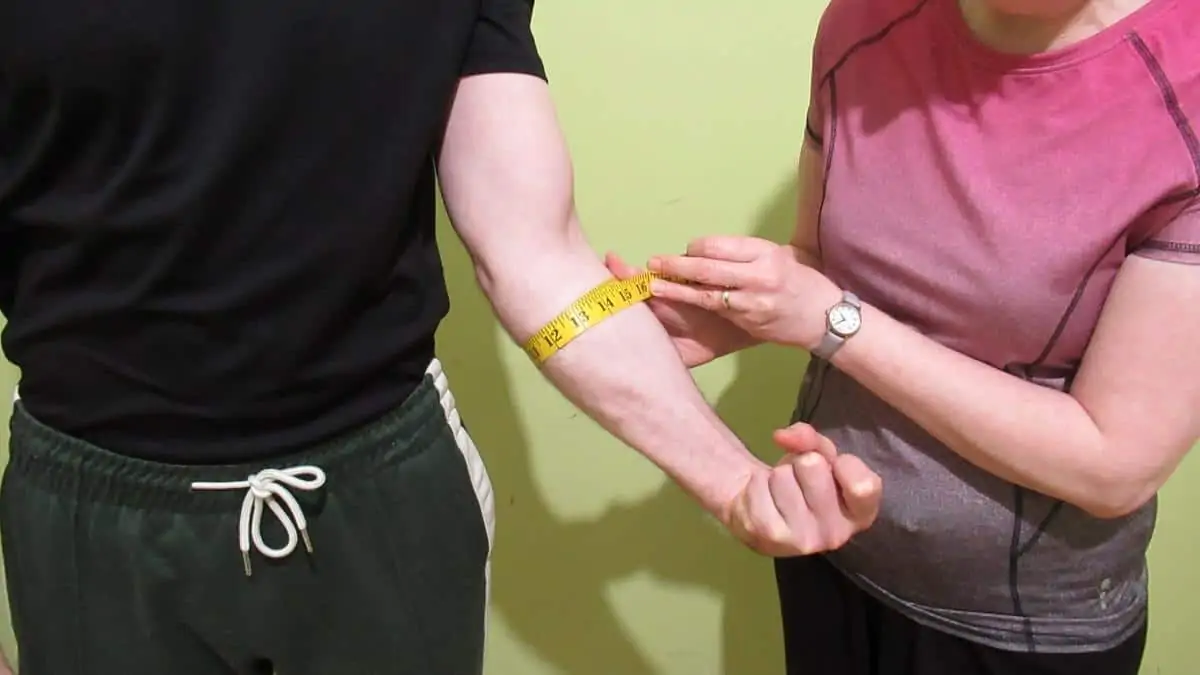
point(595, 306)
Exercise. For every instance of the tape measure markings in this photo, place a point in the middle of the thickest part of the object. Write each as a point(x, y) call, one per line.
point(590, 309)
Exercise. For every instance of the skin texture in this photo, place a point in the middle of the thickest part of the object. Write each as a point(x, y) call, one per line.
point(1106, 447)
point(1031, 26)
point(507, 183)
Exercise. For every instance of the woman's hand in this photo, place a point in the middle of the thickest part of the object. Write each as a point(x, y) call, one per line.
point(812, 501)
point(755, 284)
point(699, 336)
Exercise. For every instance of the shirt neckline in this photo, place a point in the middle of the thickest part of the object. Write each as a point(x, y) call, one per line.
point(1054, 59)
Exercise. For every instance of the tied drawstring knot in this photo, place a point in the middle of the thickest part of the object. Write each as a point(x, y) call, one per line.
point(270, 487)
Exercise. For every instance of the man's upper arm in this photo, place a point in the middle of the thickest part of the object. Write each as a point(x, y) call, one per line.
point(502, 164)
point(504, 170)
point(503, 40)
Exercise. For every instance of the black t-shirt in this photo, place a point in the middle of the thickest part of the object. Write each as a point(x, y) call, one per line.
point(217, 218)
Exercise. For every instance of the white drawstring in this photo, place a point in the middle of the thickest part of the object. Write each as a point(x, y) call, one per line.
point(271, 486)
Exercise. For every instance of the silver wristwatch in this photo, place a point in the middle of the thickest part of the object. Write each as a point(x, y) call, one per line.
point(842, 322)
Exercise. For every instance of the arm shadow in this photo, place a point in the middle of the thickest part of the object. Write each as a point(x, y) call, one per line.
point(552, 575)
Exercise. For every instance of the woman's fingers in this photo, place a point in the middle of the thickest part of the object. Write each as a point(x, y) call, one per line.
point(827, 449)
point(791, 501)
point(688, 295)
point(814, 475)
point(800, 438)
point(667, 313)
point(861, 489)
point(706, 271)
point(731, 247)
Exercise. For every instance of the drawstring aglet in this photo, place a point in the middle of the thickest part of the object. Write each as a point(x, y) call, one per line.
point(246, 562)
point(307, 542)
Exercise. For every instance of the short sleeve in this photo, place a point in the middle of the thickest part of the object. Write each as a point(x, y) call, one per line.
point(1177, 240)
point(814, 123)
point(502, 41)
point(844, 26)
point(838, 21)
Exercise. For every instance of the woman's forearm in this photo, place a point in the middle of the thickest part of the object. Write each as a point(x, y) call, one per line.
point(1027, 434)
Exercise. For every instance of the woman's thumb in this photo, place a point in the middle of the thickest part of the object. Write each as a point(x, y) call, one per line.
point(861, 488)
point(800, 438)
point(619, 268)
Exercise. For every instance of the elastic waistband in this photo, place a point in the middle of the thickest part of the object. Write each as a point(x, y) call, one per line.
point(71, 466)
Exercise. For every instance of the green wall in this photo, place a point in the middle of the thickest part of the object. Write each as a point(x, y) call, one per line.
point(684, 118)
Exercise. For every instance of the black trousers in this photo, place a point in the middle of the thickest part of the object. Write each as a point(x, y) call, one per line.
point(832, 627)
point(117, 566)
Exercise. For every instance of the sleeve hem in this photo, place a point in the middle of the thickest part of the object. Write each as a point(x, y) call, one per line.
point(1170, 251)
point(512, 68)
point(1171, 246)
point(813, 135)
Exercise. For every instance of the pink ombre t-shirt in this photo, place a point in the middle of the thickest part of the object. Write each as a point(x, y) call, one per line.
point(988, 200)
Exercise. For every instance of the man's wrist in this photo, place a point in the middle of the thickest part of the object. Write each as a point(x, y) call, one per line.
point(718, 484)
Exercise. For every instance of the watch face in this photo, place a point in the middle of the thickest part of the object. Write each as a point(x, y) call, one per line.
point(845, 319)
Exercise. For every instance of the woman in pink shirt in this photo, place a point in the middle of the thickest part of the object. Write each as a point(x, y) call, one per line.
point(996, 267)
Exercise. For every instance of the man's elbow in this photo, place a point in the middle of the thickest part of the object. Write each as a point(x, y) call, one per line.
point(524, 250)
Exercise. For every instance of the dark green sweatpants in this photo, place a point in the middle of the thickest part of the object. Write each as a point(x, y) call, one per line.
point(116, 566)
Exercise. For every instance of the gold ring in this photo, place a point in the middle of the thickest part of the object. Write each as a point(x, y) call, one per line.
point(725, 300)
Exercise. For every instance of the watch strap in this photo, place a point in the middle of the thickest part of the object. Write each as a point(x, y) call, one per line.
point(830, 342)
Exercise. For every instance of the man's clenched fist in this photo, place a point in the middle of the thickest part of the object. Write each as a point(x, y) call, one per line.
point(812, 501)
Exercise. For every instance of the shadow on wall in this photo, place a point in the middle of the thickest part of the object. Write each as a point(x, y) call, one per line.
point(551, 575)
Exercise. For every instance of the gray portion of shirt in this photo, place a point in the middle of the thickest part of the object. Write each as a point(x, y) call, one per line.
point(960, 550)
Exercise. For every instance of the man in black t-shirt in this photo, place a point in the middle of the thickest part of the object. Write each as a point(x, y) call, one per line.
point(235, 451)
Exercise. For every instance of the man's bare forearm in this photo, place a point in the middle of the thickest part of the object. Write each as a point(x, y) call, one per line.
point(624, 372)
